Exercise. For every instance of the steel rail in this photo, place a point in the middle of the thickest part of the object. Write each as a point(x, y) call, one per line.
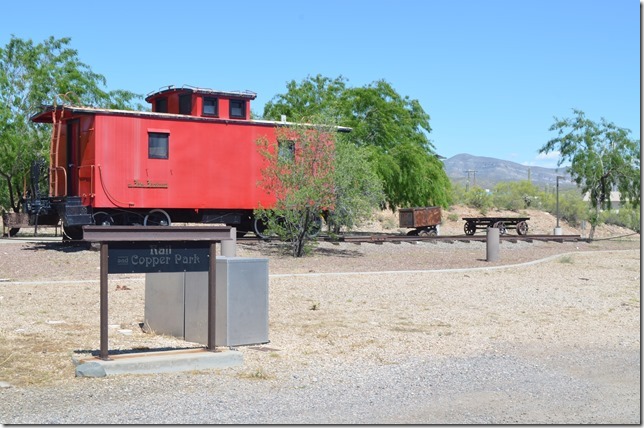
point(454, 238)
point(377, 238)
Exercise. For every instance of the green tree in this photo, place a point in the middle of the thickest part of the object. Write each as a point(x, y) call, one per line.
point(316, 96)
point(457, 193)
point(602, 158)
point(32, 75)
point(393, 129)
point(357, 187)
point(299, 173)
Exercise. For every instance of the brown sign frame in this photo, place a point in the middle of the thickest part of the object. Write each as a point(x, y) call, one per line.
point(104, 235)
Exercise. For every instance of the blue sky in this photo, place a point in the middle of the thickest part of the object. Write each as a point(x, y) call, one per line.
point(492, 75)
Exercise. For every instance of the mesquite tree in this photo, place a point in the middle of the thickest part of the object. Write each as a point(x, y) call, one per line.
point(299, 173)
point(33, 74)
point(602, 158)
point(391, 129)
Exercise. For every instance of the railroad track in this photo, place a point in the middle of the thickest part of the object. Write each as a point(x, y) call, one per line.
point(454, 238)
point(381, 238)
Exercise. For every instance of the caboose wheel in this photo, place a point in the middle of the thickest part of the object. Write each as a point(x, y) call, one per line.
point(259, 227)
point(157, 218)
point(315, 228)
point(522, 228)
point(102, 218)
point(72, 233)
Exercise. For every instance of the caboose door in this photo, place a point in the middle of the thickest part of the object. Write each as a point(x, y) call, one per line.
point(73, 156)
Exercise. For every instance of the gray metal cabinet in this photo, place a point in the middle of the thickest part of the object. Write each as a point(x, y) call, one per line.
point(176, 303)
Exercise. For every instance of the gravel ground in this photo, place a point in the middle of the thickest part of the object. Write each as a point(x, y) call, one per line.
point(548, 334)
point(491, 388)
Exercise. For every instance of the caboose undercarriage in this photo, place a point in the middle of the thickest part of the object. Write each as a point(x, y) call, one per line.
point(73, 216)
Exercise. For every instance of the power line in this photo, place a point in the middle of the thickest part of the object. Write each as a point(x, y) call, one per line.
point(473, 172)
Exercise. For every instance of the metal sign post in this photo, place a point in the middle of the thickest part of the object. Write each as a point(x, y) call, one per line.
point(157, 249)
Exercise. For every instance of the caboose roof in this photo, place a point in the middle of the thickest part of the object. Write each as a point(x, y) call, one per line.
point(45, 116)
point(204, 91)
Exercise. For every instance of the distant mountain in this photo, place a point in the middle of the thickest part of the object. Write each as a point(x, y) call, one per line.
point(487, 172)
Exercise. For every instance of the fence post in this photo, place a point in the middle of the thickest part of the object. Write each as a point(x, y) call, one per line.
point(229, 247)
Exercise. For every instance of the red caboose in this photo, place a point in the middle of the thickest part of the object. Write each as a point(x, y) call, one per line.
point(193, 158)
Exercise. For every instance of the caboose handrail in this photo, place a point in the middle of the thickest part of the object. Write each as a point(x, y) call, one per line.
point(53, 188)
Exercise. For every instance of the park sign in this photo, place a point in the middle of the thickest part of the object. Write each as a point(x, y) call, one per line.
point(126, 249)
point(160, 256)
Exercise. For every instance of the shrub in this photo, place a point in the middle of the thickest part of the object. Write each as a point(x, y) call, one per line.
point(515, 196)
point(479, 198)
point(626, 216)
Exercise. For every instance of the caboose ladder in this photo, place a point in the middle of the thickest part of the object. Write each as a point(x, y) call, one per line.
point(53, 154)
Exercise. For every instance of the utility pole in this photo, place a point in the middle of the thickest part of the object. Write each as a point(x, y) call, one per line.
point(470, 171)
point(557, 228)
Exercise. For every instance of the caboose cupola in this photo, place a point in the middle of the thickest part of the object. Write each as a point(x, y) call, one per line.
point(202, 102)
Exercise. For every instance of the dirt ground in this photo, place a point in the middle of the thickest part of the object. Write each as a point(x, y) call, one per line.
point(540, 223)
point(347, 307)
point(42, 283)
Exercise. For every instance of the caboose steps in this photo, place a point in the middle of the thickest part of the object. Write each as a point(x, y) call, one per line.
point(73, 213)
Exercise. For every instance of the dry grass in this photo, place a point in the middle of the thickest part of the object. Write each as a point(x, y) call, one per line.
point(43, 325)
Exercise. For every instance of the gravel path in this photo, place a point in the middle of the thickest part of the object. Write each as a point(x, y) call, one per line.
point(557, 341)
point(499, 388)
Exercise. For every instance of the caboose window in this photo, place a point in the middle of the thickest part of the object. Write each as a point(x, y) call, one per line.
point(161, 105)
point(286, 150)
point(185, 104)
point(210, 106)
point(238, 108)
point(158, 145)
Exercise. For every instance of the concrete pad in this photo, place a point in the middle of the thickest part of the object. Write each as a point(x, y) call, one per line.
point(156, 362)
